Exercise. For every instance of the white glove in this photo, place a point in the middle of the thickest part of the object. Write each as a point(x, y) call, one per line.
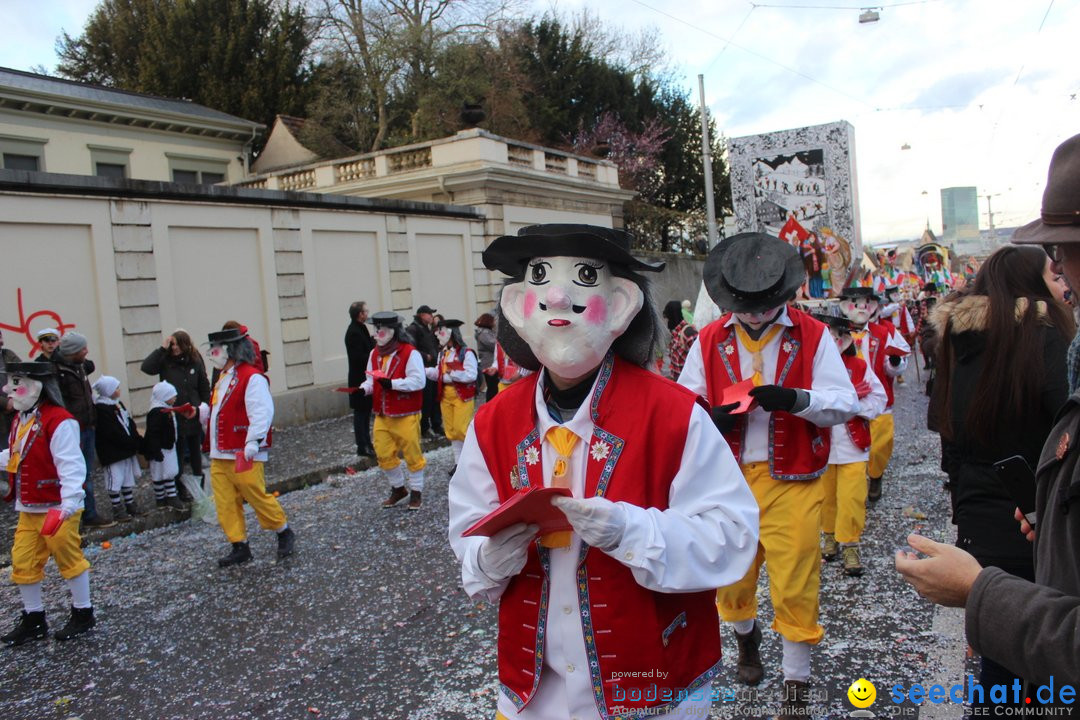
point(446, 379)
point(5, 456)
point(432, 373)
point(503, 554)
point(204, 413)
point(251, 449)
point(597, 520)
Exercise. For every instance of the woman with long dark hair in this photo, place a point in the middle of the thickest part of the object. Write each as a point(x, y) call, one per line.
point(1000, 381)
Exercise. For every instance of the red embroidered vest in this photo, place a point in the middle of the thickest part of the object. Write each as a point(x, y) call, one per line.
point(38, 481)
point(858, 428)
point(465, 391)
point(393, 403)
point(880, 332)
point(798, 449)
point(232, 418)
point(641, 421)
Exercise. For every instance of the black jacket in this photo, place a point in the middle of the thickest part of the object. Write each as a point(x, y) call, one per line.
point(75, 390)
point(160, 434)
point(358, 347)
point(982, 508)
point(425, 341)
point(189, 379)
point(112, 443)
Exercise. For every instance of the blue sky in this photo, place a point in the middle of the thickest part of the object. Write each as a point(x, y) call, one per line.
point(978, 92)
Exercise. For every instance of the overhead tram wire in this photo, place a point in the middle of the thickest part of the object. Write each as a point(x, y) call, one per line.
point(864, 6)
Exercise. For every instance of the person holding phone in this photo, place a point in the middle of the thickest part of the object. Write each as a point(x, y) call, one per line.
point(1000, 382)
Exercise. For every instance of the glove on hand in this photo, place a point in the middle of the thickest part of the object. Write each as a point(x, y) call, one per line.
point(597, 520)
point(386, 383)
point(773, 397)
point(722, 417)
point(251, 449)
point(204, 413)
point(446, 379)
point(503, 554)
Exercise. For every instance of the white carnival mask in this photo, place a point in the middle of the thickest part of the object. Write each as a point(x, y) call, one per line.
point(569, 310)
point(23, 391)
point(383, 334)
point(219, 356)
point(858, 310)
point(843, 340)
point(443, 334)
point(756, 321)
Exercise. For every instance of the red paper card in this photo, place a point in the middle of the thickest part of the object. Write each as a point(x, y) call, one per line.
point(895, 351)
point(862, 389)
point(454, 366)
point(377, 374)
point(180, 408)
point(527, 506)
point(242, 463)
point(347, 390)
point(739, 393)
point(52, 522)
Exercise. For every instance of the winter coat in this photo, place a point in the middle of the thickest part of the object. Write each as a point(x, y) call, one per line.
point(358, 347)
point(6, 358)
point(982, 508)
point(425, 341)
point(485, 347)
point(1031, 628)
point(75, 390)
point(187, 376)
point(160, 434)
point(111, 441)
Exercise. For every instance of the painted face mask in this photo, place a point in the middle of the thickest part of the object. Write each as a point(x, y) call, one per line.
point(756, 321)
point(858, 310)
point(23, 391)
point(443, 335)
point(570, 310)
point(218, 356)
point(383, 335)
point(843, 340)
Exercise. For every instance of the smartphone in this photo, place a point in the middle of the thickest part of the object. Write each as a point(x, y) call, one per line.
point(1018, 480)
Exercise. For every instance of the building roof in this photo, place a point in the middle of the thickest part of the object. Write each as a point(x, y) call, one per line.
point(30, 92)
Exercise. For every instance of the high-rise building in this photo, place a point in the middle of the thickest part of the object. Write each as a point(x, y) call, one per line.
point(959, 214)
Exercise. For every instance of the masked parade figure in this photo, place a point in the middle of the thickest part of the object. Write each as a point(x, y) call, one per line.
point(801, 389)
point(395, 380)
point(615, 616)
point(46, 471)
point(886, 352)
point(455, 372)
point(238, 434)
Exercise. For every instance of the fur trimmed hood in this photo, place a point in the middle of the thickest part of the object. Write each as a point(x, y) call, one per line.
point(969, 313)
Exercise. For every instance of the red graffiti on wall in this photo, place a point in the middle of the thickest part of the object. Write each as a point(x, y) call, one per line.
point(23, 327)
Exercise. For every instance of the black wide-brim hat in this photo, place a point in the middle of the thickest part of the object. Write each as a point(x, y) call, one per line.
point(857, 291)
point(388, 319)
point(224, 337)
point(837, 322)
point(449, 323)
point(753, 272)
point(509, 253)
point(36, 370)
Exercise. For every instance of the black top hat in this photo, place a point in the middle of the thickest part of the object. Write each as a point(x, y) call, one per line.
point(836, 322)
point(386, 318)
point(509, 253)
point(224, 337)
point(753, 272)
point(38, 370)
point(449, 323)
point(424, 309)
point(857, 291)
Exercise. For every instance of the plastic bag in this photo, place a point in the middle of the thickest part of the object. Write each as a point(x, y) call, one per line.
point(202, 502)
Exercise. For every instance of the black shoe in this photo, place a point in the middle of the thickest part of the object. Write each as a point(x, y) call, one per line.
point(368, 452)
point(750, 670)
point(81, 620)
point(132, 510)
point(396, 495)
point(240, 554)
point(174, 502)
point(96, 521)
point(119, 514)
point(31, 626)
point(286, 542)
point(873, 489)
point(182, 491)
point(414, 500)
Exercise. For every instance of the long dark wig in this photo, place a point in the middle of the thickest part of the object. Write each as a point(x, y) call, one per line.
point(1011, 380)
point(639, 344)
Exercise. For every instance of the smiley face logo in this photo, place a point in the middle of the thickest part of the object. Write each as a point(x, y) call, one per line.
point(862, 693)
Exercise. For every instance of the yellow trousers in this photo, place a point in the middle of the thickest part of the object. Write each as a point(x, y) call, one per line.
point(31, 551)
point(233, 489)
point(456, 413)
point(843, 511)
point(788, 543)
point(393, 435)
point(881, 444)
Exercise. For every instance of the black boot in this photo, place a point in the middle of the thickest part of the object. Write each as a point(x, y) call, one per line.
point(749, 667)
point(172, 501)
point(132, 510)
point(240, 554)
point(286, 542)
point(81, 620)
point(415, 499)
point(120, 514)
point(873, 489)
point(31, 626)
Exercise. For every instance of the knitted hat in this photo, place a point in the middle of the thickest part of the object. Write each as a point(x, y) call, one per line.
point(72, 343)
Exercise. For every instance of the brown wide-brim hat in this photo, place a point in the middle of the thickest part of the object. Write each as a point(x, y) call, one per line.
point(1060, 218)
point(509, 253)
point(753, 272)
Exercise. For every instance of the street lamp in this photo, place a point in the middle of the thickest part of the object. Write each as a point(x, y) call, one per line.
point(869, 15)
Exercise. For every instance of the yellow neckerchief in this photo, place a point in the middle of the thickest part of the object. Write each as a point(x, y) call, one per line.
point(754, 347)
point(563, 441)
point(857, 336)
point(20, 439)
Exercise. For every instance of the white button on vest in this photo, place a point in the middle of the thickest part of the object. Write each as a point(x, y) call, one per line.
point(567, 609)
point(629, 555)
point(570, 667)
